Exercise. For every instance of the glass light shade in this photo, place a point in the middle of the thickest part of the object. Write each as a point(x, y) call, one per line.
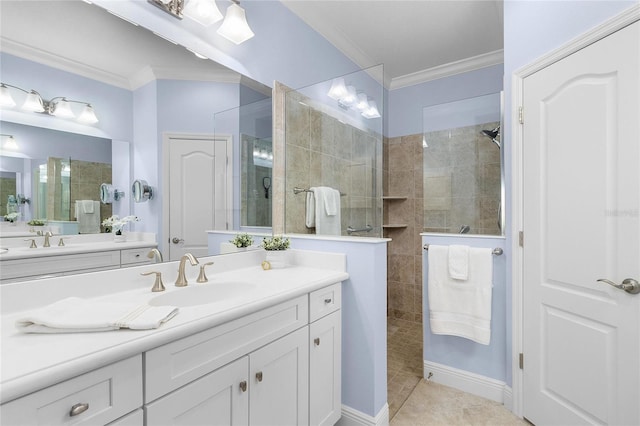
point(338, 89)
point(351, 98)
point(235, 27)
point(6, 100)
point(33, 103)
point(62, 109)
point(363, 102)
point(372, 111)
point(10, 143)
point(204, 12)
point(88, 115)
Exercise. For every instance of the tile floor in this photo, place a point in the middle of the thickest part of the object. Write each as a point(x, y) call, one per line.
point(414, 401)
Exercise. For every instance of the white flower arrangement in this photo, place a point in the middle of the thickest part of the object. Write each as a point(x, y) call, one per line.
point(11, 217)
point(116, 224)
point(242, 240)
point(277, 242)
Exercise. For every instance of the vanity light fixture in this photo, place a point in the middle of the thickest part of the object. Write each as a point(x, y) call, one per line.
point(59, 106)
point(204, 12)
point(9, 142)
point(235, 27)
point(348, 98)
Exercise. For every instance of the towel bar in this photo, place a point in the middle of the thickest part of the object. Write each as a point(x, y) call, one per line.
point(297, 190)
point(497, 251)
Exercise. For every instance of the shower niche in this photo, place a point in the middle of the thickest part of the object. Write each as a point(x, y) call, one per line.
point(462, 167)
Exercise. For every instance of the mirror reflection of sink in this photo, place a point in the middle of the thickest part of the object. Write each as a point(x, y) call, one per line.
point(202, 294)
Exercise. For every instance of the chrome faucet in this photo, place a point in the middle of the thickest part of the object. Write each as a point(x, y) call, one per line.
point(155, 254)
point(181, 281)
point(47, 235)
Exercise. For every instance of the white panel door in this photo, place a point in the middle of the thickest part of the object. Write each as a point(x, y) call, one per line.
point(581, 224)
point(325, 370)
point(198, 186)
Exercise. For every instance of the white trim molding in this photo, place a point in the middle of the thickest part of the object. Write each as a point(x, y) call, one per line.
point(446, 70)
point(593, 35)
point(353, 417)
point(476, 384)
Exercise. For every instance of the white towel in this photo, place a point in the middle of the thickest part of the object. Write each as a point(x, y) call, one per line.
point(310, 210)
point(327, 224)
point(88, 223)
point(460, 308)
point(459, 262)
point(87, 206)
point(76, 315)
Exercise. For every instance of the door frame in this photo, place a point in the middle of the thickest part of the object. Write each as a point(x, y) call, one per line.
point(166, 140)
point(593, 35)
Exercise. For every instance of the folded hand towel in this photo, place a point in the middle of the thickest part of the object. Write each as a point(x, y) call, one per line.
point(310, 209)
point(327, 224)
point(460, 308)
point(76, 315)
point(331, 201)
point(87, 206)
point(459, 262)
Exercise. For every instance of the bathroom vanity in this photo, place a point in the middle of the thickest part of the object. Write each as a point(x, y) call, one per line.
point(80, 253)
point(269, 353)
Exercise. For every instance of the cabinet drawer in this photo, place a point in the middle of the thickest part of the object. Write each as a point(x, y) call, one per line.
point(109, 392)
point(63, 263)
point(178, 363)
point(132, 419)
point(324, 301)
point(134, 256)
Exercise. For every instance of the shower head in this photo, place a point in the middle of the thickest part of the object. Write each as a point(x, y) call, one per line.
point(493, 135)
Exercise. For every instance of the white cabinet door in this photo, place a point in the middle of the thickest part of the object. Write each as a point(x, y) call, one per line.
point(325, 370)
point(219, 398)
point(279, 381)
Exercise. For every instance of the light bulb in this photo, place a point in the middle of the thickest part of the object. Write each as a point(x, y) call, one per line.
point(338, 89)
point(88, 115)
point(204, 12)
point(62, 109)
point(33, 102)
point(6, 100)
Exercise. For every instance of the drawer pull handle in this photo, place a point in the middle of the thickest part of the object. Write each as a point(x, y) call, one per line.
point(79, 409)
point(137, 255)
point(243, 386)
point(316, 341)
point(327, 301)
point(259, 376)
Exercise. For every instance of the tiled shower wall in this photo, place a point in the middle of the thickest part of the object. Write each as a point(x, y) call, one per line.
point(454, 181)
point(323, 151)
point(7, 187)
point(86, 178)
point(255, 204)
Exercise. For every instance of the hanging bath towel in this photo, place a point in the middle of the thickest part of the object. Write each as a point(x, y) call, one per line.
point(456, 307)
point(327, 210)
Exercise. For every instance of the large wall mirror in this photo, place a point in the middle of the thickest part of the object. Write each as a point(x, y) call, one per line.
point(462, 165)
point(156, 88)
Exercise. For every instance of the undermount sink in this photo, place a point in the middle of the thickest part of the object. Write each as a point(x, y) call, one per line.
point(202, 294)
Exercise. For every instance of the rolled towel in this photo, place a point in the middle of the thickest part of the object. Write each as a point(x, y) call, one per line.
point(459, 262)
point(76, 315)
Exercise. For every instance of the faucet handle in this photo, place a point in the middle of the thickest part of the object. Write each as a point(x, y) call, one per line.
point(61, 241)
point(33, 242)
point(158, 285)
point(202, 278)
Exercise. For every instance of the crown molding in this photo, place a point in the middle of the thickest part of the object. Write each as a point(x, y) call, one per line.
point(446, 70)
point(43, 57)
point(150, 73)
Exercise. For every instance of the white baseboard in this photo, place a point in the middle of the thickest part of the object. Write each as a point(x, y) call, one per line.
point(465, 381)
point(352, 417)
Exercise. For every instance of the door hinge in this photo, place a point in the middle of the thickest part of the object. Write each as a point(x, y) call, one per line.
point(521, 115)
point(521, 361)
point(521, 239)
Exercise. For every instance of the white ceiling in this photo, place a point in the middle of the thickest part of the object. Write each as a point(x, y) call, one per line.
point(415, 40)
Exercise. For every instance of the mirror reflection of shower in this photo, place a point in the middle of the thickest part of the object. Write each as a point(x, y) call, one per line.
point(493, 135)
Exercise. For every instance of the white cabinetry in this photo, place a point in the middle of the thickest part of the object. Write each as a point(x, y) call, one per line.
point(277, 366)
point(14, 270)
point(94, 398)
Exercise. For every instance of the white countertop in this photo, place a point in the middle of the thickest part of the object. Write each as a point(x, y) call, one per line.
point(74, 244)
point(33, 361)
